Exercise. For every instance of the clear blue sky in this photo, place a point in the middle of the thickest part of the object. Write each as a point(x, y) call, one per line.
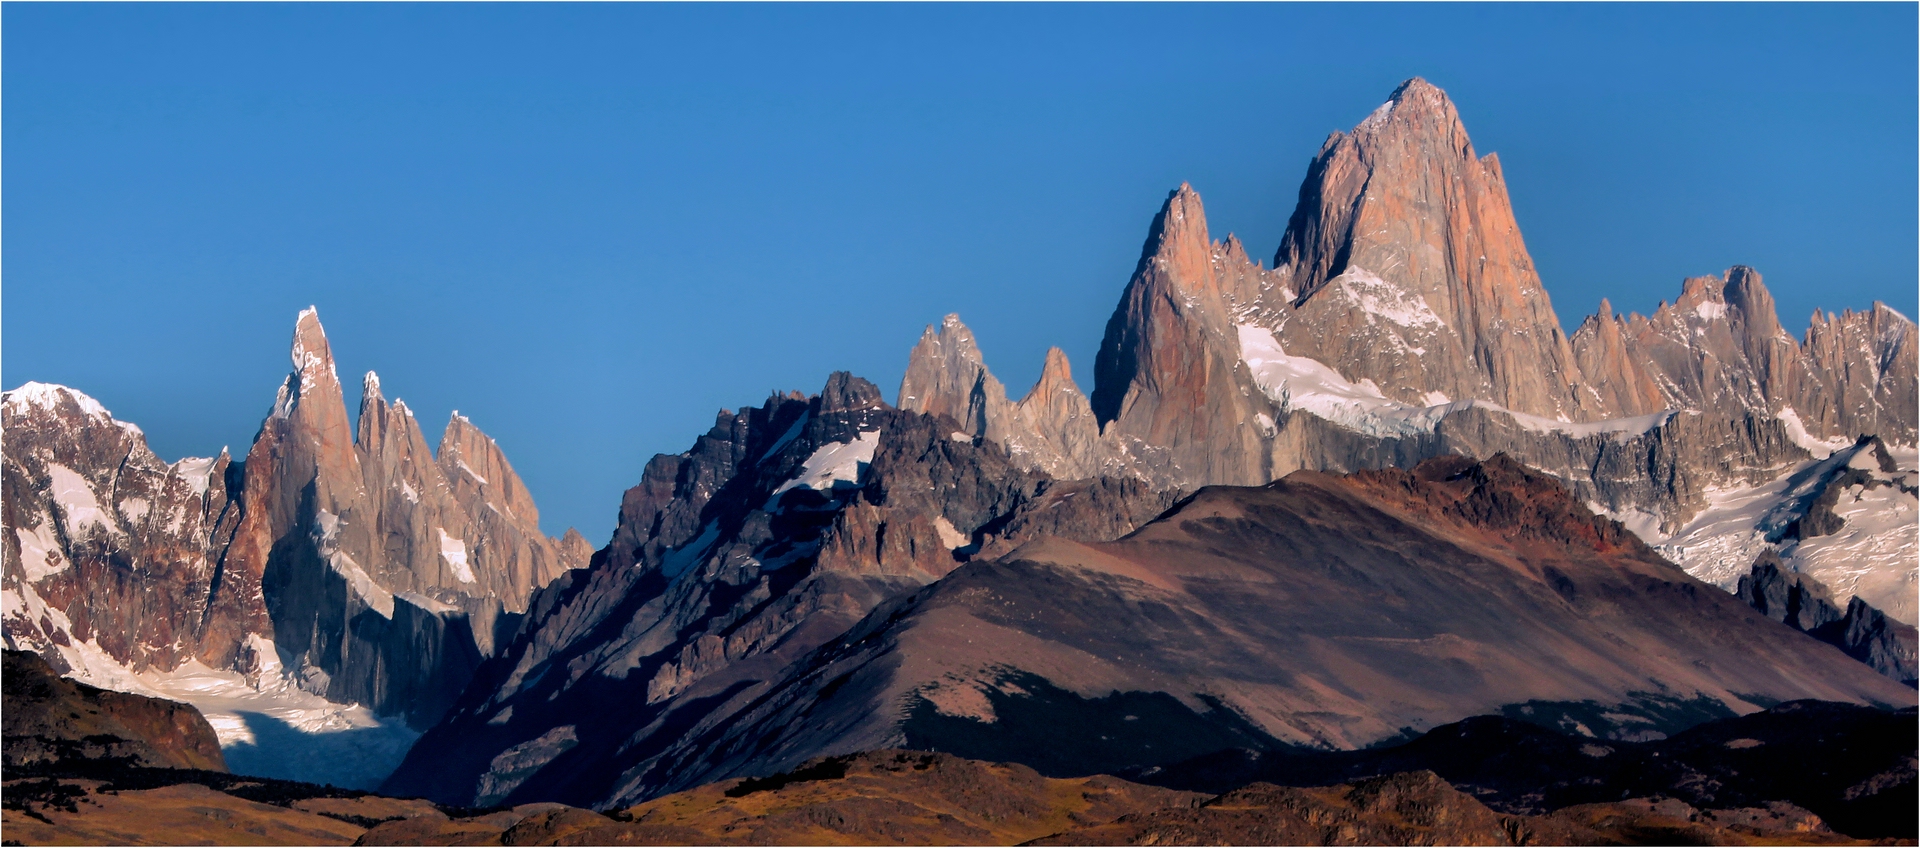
point(590, 226)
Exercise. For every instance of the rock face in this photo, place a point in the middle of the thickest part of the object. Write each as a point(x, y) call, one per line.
point(1052, 429)
point(1862, 632)
point(777, 531)
point(50, 719)
point(113, 556)
point(369, 568)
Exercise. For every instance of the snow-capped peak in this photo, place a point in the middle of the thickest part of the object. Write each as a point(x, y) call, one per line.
point(47, 396)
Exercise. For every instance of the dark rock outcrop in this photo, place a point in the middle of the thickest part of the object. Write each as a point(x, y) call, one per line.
point(50, 720)
point(1802, 603)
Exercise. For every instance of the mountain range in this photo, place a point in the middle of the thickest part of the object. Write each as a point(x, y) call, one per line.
point(1323, 504)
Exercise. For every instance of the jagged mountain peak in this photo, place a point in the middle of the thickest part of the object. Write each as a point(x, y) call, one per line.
point(947, 375)
point(1178, 234)
point(1056, 374)
point(845, 392)
point(1410, 270)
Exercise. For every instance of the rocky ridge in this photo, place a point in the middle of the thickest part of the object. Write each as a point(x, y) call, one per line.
point(779, 529)
point(1404, 319)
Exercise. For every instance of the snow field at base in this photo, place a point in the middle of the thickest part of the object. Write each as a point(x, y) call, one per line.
point(275, 730)
point(279, 730)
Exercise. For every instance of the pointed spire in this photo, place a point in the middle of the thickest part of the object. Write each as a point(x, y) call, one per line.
point(312, 357)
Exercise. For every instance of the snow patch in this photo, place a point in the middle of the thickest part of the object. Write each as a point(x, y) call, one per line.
point(197, 472)
point(40, 554)
point(949, 534)
point(1875, 550)
point(1378, 298)
point(960, 437)
point(1878, 541)
point(793, 432)
point(678, 560)
point(431, 605)
point(1639, 522)
point(470, 472)
point(454, 551)
point(1710, 310)
point(1436, 399)
point(326, 535)
point(835, 464)
point(1619, 428)
point(1305, 384)
point(78, 506)
point(1797, 433)
point(1378, 116)
point(135, 509)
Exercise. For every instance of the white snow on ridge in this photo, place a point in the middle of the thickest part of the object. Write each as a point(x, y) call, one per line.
point(793, 432)
point(1378, 116)
point(454, 551)
point(1299, 382)
point(363, 585)
point(47, 396)
point(78, 506)
point(325, 534)
point(835, 463)
point(1618, 427)
point(1797, 433)
point(1709, 310)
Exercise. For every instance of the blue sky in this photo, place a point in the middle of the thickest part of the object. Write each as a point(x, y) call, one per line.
point(588, 227)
